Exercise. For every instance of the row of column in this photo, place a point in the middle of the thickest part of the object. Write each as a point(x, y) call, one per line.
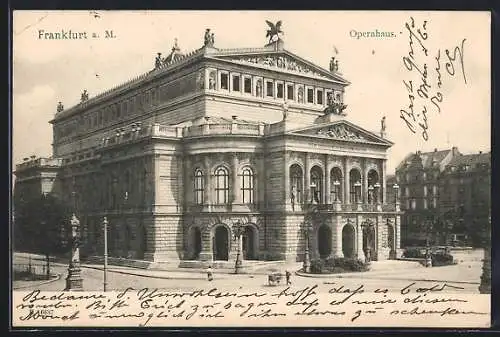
point(327, 183)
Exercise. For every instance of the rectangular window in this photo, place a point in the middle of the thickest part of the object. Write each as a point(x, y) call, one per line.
point(425, 191)
point(236, 83)
point(247, 83)
point(269, 89)
point(425, 203)
point(413, 204)
point(289, 92)
point(319, 97)
point(224, 81)
point(279, 90)
point(310, 95)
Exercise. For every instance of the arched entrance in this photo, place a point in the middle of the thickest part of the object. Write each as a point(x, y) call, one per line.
point(221, 244)
point(324, 241)
point(195, 242)
point(250, 243)
point(369, 240)
point(349, 241)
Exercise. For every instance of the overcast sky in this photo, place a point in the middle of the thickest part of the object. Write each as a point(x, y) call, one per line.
point(48, 71)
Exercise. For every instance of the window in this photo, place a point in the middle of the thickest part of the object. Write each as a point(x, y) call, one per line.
point(236, 83)
point(434, 190)
point(434, 202)
point(310, 95)
point(425, 203)
point(199, 181)
point(296, 180)
point(289, 92)
point(247, 85)
point(279, 90)
point(407, 191)
point(247, 185)
point(413, 204)
point(224, 81)
point(221, 185)
point(319, 97)
point(425, 191)
point(269, 89)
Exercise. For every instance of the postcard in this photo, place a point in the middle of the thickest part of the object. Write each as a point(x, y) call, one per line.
point(251, 169)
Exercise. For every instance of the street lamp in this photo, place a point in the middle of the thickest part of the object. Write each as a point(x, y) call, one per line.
point(238, 230)
point(105, 227)
point(336, 187)
point(306, 230)
point(74, 280)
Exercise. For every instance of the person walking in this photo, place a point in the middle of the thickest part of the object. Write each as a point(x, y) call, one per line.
point(287, 275)
point(209, 273)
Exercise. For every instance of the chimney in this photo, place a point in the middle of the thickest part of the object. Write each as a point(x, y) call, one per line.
point(454, 150)
point(480, 152)
point(234, 117)
point(435, 150)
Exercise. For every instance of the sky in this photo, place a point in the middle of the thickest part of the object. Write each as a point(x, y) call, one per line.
point(47, 71)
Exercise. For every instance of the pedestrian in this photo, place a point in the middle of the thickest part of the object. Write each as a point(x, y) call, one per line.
point(287, 275)
point(209, 273)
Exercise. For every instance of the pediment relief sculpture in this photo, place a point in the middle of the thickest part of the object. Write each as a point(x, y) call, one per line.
point(280, 62)
point(341, 132)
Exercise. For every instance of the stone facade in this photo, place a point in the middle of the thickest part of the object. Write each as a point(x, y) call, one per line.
point(177, 157)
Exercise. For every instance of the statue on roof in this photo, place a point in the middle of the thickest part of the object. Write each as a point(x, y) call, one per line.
point(158, 61)
point(209, 38)
point(382, 124)
point(85, 96)
point(274, 31)
point(335, 105)
point(332, 64)
point(60, 107)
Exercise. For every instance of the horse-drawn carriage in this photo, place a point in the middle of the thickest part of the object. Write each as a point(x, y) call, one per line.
point(274, 278)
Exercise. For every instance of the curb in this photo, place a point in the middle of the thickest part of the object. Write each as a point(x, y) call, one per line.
point(57, 278)
point(301, 274)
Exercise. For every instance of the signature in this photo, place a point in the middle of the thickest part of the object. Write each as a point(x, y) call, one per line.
point(424, 88)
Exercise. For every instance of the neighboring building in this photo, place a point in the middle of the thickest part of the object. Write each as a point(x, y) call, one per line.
point(465, 196)
point(418, 177)
point(445, 190)
point(176, 157)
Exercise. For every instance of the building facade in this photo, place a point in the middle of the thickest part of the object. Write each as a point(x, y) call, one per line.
point(217, 138)
point(437, 188)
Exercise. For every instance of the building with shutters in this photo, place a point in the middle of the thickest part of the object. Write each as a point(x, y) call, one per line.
point(217, 138)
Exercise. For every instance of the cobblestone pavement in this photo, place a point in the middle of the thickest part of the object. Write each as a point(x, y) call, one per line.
point(465, 275)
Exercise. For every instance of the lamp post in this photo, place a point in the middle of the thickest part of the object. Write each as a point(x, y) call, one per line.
point(74, 280)
point(238, 229)
point(105, 228)
point(306, 230)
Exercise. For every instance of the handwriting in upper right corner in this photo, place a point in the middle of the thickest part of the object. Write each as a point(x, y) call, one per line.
point(424, 91)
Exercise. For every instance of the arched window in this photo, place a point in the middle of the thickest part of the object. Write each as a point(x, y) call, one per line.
point(199, 181)
point(221, 185)
point(247, 185)
point(296, 180)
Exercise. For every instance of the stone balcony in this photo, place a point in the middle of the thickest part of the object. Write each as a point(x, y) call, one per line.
point(39, 162)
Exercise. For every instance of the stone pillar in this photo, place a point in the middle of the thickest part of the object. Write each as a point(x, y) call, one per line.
point(383, 184)
point(206, 253)
point(382, 252)
point(359, 238)
point(307, 179)
point(287, 191)
point(188, 182)
point(337, 231)
point(347, 197)
point(328, 179)
point(261, 181)
point(156, 200)
point(326, 183)
point(208, 181)
point(397, 232)
point(235, 183)
point(364, 182)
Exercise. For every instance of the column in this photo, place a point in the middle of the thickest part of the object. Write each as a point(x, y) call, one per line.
point(338, 236)
point(235, 183)
point(383, 184)
point(261, 181)
point(328, 181)
point(307, 179)
point(156, 200)
point(364, 185)
point(382, 253)
point(208, 181)
point(188, 183)
point(359, 238)
point(347, 197)
point(287, 191)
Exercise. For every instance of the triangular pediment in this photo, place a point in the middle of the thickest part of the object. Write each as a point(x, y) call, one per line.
point(343, 131)
point(283, 61)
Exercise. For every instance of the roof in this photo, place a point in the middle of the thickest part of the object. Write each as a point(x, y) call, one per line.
point(233, 55)
point(427, 158)
point(471, 159)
